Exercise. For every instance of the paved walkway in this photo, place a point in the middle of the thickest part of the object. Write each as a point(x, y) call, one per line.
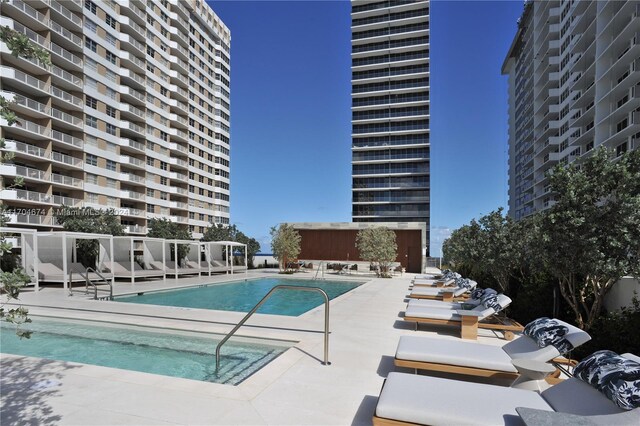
point(294, 389)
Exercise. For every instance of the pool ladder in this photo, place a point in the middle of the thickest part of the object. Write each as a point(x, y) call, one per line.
point(264, 299)
point(320, 268)
point(88, 282)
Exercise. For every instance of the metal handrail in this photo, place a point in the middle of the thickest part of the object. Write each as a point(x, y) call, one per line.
point(95, 287)
point(315, 277)
point(255, 308)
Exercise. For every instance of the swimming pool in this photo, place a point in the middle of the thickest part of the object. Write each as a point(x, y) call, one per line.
point(241, 296)
point(189, 355)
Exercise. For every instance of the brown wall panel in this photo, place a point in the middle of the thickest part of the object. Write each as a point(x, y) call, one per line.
point(340, 244)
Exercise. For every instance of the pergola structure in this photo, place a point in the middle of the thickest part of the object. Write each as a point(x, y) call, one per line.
point(58, 259)
point(150, 251)
point(26, 241)
point(229, 247)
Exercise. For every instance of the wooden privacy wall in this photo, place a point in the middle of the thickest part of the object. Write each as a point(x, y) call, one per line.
point(340, 244)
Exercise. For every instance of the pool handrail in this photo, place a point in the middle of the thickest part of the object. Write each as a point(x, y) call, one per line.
point(95, 287)
point(257, 306)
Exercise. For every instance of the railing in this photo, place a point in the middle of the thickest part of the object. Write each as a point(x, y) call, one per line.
point(320, 268)
point(88, 283)
point(264, 299)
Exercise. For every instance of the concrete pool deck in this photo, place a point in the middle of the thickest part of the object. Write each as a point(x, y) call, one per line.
point(294, 389)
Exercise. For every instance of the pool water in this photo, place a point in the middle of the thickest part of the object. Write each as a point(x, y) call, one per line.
point(241, 296)
point(188, 355)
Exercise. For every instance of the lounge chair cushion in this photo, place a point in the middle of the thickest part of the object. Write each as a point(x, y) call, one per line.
point(439, 304)
point(574, 396)
point(433, 401)
point(432, 313)
point(454, 352)
point(617, 377)
point(546, 331)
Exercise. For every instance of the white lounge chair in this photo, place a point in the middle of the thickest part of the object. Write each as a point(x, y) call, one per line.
point(408, 399)
point(123, 270)
point(468, 320)
point(467, 358)
point(446, 294)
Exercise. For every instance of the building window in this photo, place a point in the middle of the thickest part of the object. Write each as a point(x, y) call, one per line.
point(91, 121)
point(151, 52)
point(91, 159)
point(110, 21)
point(111, 93)
point(163, 165)
point(110, 39)
point(151, 208)
point(91, 102)
point(92, 198)
point(90, 44)
point(150, 192)
point(111, 57)
point(111, 129)
point(621, 149)
point(112, 165)
point(90, 25)
point(111, 111)
point(164, 196)
point(92, 179)
point(163, 180)
point(90, 6)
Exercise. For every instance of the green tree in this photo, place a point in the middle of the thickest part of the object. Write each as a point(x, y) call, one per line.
point(164, 228)
point(12, 281)
point(285, 244)
point(591, 235)
point(498, 257)
point(91, 221)
point(378, 245)
point(463, 250)
point(231, 233)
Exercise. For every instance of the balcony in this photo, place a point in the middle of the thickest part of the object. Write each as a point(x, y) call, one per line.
point(127, 125)
point(67, 97)
point(66, 13)
point(67, 118)
point(135, 229)
point(67, 77)
point(132, 195)
point(66, 159)
point(132, 144)
point(66, 34)
point(66, 180)
point(37, 18)
point(68, 56)
point(25, 148)
point(132, 161)
point(28, 80)
point(130, 177)
point(30, 129)
point(28, 173)
point(67, 201)
point(25, 196)
point(67, 139)
point(30, 219)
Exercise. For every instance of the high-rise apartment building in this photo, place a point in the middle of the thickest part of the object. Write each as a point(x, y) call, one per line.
point(574, 85)
point(132, 114)
point(390, 111)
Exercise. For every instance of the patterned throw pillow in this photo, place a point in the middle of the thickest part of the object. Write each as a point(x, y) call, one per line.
point(491, 301)
point(618, 378)
point(478, 293)
point(546, 331)
point(464, 283)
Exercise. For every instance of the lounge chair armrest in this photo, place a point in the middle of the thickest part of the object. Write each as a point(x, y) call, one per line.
point(464, 313)
point(532, 416)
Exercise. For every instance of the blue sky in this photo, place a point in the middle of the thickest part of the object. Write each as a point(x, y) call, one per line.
point(290, 112)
